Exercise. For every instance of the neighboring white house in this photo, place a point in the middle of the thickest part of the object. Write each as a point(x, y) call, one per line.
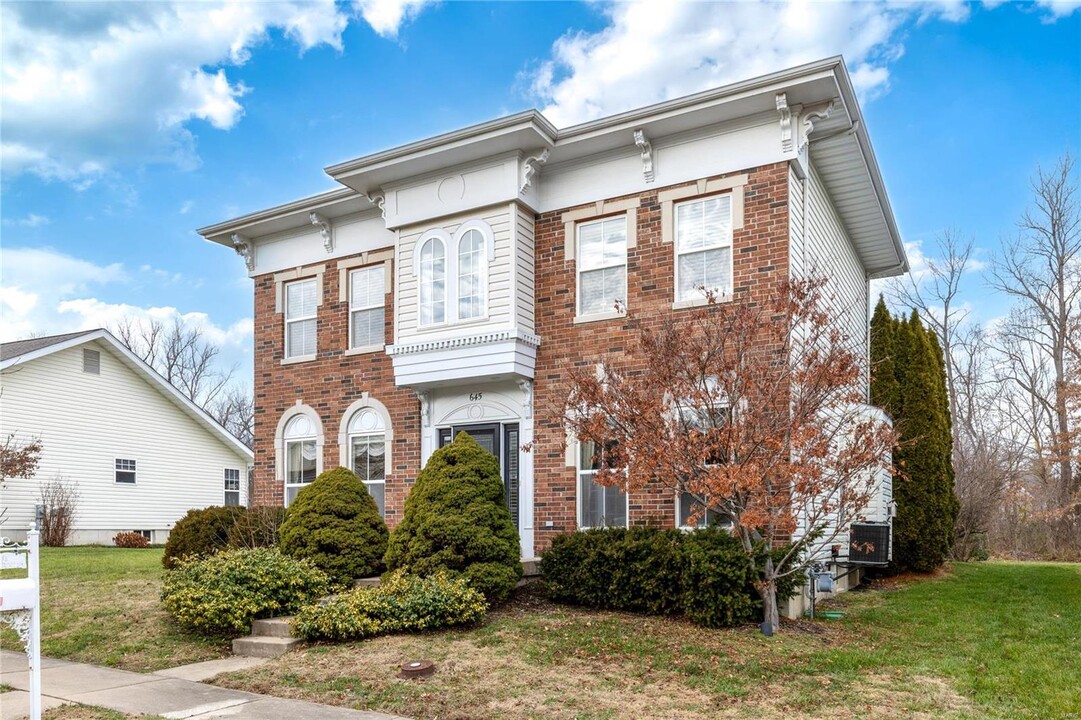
point(141, 453)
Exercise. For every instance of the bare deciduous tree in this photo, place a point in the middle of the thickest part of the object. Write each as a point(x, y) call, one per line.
point(235, 410)
point(59, 498)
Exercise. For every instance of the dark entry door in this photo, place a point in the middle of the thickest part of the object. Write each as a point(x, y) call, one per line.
point(501, 441)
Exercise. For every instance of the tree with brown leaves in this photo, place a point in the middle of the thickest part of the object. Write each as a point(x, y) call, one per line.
point(755, 408)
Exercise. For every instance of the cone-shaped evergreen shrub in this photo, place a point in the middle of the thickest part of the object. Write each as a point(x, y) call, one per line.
point(335, 523)
point(455, 519)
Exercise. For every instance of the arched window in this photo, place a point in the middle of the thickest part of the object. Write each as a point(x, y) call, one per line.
point(368, 452)
point(433, 282)
point(301, 454)
point(472, 274)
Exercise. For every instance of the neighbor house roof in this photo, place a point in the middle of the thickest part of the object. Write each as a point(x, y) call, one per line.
point(20, 352)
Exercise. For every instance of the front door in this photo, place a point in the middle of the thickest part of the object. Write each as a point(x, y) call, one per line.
point(500, 440)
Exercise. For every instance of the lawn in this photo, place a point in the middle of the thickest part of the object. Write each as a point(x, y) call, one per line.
point(989, 640)
point(100, 605)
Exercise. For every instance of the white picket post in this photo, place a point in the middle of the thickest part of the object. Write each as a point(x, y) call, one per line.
point(34, 652)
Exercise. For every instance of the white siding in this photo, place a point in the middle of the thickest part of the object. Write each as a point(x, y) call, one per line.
point(500, 311)
point(86, 421)
point(828, 251)
point(524, 283)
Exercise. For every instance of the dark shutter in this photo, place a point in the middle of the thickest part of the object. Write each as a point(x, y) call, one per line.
point(510, 472)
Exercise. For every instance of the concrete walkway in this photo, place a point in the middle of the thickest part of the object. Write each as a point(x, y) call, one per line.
point(152, 694)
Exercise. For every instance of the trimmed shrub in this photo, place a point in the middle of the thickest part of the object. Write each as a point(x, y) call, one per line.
point(223, 593)
point(401, 603)
point(456, 520)
point(200, 533)
point(703, 574)
point(130, 540)
point(335, 523)
point(257, 527)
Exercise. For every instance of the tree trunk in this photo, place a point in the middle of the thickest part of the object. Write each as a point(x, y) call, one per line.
point(767, 590)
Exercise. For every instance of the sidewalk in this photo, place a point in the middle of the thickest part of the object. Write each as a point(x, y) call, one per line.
point(152, 694)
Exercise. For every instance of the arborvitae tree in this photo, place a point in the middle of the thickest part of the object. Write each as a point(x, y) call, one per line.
point(456, 520)
point(335, 523)
point(926, 505)
point(883, 371)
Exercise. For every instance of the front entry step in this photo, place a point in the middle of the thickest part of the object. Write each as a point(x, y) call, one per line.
point(269, 638)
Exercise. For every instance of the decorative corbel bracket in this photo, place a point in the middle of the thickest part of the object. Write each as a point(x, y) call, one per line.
point(529, 168)
point(647, 155)
point(526, 386)
point(379, 200)
point(425, 407)
point(245, 249)
point(324, 229)
point(809, 119)
point(786, 122)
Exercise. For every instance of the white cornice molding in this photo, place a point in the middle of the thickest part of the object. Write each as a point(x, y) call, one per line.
point(530, 166)
point(379, 200)
point(245, 248)
point(450, 343)
point(325, 229)
point(646, 149)
point(786, 122)
point(819, 112)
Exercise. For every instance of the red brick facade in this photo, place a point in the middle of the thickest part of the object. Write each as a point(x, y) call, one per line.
point(333, 381)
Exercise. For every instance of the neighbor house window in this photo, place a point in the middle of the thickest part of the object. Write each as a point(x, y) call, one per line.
point(602, 265)
point(124, 470)
point(300, 455)
point(433, 282)
point(301, 302)
point(471, 275)
point(368, 453)
point(367, 295)
point(598, 506)
point(232, 486)
point(704, 247)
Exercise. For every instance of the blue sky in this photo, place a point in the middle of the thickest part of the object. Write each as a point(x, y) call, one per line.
point(127, 126)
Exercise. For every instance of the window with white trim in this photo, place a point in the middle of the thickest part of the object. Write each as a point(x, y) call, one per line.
point(713, 419)
point(368, 453)
point(472, 273)
point(704, 247)
point(602, 265)
point(300, 455)
point(433, 282)
point(124, 471)
point(367, 297)
point(232, 487)
point(598, 506)
point(301, 302)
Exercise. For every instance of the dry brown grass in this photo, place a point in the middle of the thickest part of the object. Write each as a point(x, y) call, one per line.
point(85, 712)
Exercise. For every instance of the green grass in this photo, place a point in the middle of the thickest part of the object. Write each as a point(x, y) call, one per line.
point(100, 605)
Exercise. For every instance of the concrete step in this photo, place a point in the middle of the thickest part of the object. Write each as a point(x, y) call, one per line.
point(272, 627)
point(263, 646)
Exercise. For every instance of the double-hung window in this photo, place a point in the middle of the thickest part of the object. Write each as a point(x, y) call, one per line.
point(368, 452)
point(691, 508)
point(602, 265)
point(301, 460)
point(124, 471)
point(301, 302)
point(598, 506)
point(367, 296)
point(232, 487)
point(704, 247)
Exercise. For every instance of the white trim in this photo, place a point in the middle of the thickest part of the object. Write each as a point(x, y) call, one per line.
point(484, 338)
point(578, 269)
point(725, 242)
point(377, 269)
point(281, 457)
point(487, 256)
point(444, 239)
point(150, 374)
point(578, 471)
point(225, 489)
point(365, 402)
point(134, 471)
point(314, 317)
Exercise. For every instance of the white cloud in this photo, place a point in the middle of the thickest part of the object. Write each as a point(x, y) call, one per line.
point(186, 207)
point(88, 313)
point(1058, 8)
point(31, 220)
point(88, 86)
point(651, 51)
point(387, 16)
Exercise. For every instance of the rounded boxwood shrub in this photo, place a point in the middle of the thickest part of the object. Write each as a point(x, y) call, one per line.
point(200, 533)
point(400, 603)
point(223, 593)
point(456, 520)
point(335, 523)
point(718, 582)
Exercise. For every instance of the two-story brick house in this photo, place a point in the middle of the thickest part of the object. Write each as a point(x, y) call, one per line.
point(447, 282)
